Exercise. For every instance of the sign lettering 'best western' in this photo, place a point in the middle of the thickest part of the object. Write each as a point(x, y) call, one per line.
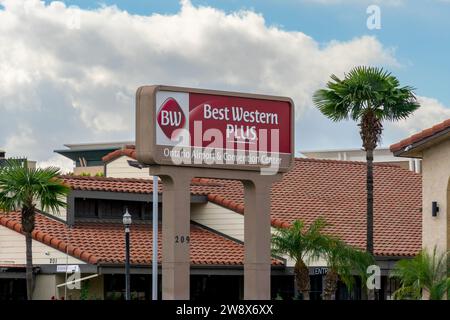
point(193, 127)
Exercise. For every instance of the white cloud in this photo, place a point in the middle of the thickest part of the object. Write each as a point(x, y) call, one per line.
point(21, 141)
point(65, 165)
point(430, 113)
point(70, 75)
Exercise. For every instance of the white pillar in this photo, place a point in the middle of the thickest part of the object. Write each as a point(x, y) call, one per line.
point(417, 165)
point(411, 165)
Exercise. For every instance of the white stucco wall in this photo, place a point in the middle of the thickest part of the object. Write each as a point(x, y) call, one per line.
point(119, 168)
point(45, 286)
point(219, 218)
point(12, 250)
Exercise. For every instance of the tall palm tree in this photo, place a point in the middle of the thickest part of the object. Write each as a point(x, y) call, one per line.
point(300, 243)
point(343, 263)
point(426, 273)
point(368, 95)
point(22, 188)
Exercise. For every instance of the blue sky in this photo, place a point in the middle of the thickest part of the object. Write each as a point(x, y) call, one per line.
point(418, 30)
point(69, 74)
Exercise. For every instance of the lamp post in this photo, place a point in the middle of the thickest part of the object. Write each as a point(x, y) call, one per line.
point(127, 223)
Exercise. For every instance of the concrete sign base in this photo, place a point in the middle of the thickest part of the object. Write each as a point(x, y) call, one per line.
point(176, 228)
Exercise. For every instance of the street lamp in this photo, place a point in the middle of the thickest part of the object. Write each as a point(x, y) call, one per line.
point(127, 223)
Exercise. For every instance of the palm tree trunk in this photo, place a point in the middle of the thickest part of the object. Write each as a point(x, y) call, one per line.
point(302, 281)
point(28, 223)
point(369, 245)
point(329, 291)
point(29, 268)
point(369, 186)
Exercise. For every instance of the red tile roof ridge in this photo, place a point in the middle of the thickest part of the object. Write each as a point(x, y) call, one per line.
point(195, 181)
point(426, 133)
point(97, 178)
point(353, 162)
point(48, 239)
point(129, 151)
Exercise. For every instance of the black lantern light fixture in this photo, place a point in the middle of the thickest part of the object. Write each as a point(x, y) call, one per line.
point(434, 208)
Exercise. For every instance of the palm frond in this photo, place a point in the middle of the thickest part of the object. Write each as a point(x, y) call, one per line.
point(21, 186)
point(347, 261)
point(299, 242)
point(427, 271)
point(365, 89)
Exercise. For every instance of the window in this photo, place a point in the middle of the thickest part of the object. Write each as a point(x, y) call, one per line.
point(114, 286)
point(112, 209)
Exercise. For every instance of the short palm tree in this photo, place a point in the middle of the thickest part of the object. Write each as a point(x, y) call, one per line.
point(343, 263)
point(369, 96)
point(425, 273)
point(300, 243)
point(22, 188)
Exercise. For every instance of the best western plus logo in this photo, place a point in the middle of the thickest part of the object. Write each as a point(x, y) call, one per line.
point(170, 118)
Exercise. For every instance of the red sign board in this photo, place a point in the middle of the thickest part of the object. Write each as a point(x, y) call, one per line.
point(241, 121)
point(183, 126)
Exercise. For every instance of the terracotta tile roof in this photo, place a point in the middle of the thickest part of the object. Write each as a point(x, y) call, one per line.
point(427, 133)
point(103, 243)
point(336, 190)
point(129, 151)
point(328, 188)
point(199, 186)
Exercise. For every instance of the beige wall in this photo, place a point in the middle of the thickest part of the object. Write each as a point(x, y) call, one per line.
point(12, 250)
point(45, 287)
point(436, 175)
point(219, 218)
point(119, 168)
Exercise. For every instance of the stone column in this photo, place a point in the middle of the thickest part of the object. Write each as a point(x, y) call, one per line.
point(175, 235)
point(257, 261)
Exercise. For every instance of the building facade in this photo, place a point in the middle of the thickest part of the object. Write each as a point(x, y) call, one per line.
point(432, 146)
point(90, 234)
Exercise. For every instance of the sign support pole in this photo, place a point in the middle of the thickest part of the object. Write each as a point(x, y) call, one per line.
point(155, 240)
point(257, 239)
point(176, 228)
point(175, 233)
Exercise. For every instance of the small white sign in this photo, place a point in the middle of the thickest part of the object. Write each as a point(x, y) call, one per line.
point(68, 268)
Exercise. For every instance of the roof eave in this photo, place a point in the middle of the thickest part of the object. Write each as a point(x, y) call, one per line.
point(415, 150)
